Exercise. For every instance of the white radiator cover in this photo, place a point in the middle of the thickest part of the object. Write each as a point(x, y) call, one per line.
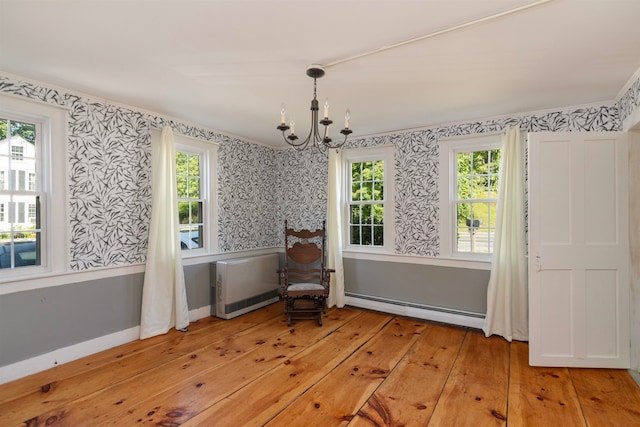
point(245, 284)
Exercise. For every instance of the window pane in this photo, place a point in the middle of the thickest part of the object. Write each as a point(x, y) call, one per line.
point(19, 249)
point(367, 190)
point(378, 170)
point(26, 132)
point(181, 163)
point(378, 191)
point(366, 235)
point(191, 237)
point(182, 187)
point(480, 164)
point(366, 214)
point(463, 213)
point(491, 221)
point(378, 236)
point(493, 187)
point(464, 163)
point(464, 188)
point(367, 171)
point(378, 214)
point(194, 188)
point(495, 161)
point(194, 165)
point(183, 212)
point(196, 212)
point(356, 171)
point(355, 235)
point(355, 214)
point(467, 226)
point(355, 191)
point(479, 187)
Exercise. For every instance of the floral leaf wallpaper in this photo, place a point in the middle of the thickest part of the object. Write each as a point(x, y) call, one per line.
point(109, 185)
point(247, 196)
point(258, 187)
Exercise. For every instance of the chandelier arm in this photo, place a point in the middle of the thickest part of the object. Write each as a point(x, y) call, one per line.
point(340, 144)
point(292, 142)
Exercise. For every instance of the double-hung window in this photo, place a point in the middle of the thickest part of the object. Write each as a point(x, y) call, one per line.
point(368, 199)
point(195, 161)
point(190, 199)
point(31, 197)
point(470, 170)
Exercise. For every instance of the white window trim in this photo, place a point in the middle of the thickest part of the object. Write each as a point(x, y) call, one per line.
point(449, 148)
point(209, 155)
point(386, 153)
point(54, 172)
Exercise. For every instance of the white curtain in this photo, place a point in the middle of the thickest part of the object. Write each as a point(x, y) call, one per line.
point(507, 293)
point(334, 233)
point(164, 298)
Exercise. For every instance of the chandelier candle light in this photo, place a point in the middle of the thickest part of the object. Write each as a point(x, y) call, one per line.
point(314, 71)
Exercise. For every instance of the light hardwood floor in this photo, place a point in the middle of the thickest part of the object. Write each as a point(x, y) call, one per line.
point(360, 369)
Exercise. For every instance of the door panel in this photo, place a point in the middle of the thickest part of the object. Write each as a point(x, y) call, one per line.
point(578, 250)
point(555, 288)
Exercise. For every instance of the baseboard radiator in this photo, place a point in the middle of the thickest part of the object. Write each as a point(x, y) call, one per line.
point(420, 311)
point(245, 284)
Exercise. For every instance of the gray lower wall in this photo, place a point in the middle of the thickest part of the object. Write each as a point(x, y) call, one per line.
point(42, 320)
point(51, 318)
point(445, 287)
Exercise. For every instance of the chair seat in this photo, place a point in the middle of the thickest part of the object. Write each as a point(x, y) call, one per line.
point(305, 287)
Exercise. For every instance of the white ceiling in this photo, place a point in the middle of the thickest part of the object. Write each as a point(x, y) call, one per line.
point(229, 65)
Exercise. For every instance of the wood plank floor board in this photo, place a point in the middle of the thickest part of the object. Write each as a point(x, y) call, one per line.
point(336, 398)
point(254, 370)
point(275, 390)
point(539, 396)
point(609, 397)
point(410, 393)
point(477, 388)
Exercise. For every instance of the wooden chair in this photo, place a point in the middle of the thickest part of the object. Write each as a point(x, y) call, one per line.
point(304, 280)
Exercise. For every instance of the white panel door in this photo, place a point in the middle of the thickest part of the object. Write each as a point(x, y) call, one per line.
point(578, 250)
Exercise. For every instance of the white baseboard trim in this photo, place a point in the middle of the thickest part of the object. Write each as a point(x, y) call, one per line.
point(199, 313)
point(453, 317)
point(60, 356)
